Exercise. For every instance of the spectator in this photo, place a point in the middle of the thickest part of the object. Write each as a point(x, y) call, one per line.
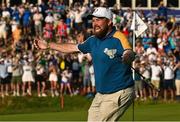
point(17, 35)
point(168, 82)
point(75, 69)
point(162, 11)
point(48, 31)
point(8, 63)
point(49, 18)
point(16, 75)
point(177, 80)
point(40, 80)
point(160, 43)
point(69, 22)
point(138, 81)
point(3, 31)
point(156, 71)
point(151, 49)
point(3, 78)
point(26, 17)
point(53, 78)
point(78, 22)
point(62, 31)
point(16, 14)
point(27, 78)
point(37, 18)
point(86, 78)
point(66, 77)
point(139, 49)
point(146, 72)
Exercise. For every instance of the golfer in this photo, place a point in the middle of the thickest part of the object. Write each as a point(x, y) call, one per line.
point(112, 56)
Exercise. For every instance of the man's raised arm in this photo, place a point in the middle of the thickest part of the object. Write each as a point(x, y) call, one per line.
point(62, 47)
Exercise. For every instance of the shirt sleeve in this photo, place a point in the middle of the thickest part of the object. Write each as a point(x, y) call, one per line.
point(85, 47)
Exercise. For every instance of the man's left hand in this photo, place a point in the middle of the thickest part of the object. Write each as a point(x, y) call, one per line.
point(128, 56)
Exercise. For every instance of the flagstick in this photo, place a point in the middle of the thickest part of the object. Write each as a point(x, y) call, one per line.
point(134, 38)
point(133, 64)
point(138, 27)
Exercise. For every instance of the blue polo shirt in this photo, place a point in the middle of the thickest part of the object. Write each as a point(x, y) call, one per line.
point(111, 74)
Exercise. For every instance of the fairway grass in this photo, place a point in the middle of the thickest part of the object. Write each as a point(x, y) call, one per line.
point(53, 116)
point(142, 112)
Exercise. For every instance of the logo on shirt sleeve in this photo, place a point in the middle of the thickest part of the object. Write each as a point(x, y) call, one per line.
point(110, 52)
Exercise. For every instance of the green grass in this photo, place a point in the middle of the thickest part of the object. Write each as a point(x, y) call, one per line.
point(76, 107)
point(53, 116)
point(154, 112)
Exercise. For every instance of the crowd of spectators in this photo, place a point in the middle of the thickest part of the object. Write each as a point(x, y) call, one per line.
point(25, 70)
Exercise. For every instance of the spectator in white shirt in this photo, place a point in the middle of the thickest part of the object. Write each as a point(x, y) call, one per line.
point(37, 18)
point(49, 18)
point(156, 72)
point(66, 77)
point(151, 49)
point(168, 80)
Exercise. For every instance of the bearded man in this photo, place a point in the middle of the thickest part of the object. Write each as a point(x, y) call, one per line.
point(112, 56)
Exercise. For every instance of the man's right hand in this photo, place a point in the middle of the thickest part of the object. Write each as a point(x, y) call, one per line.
point(40, 44)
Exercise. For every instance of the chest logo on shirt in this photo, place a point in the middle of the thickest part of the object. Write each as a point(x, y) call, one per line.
point(110, 52)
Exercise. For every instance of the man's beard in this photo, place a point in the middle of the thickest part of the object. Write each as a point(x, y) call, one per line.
point(102, 33)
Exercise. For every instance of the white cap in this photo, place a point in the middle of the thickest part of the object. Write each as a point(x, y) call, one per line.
point(102, 12)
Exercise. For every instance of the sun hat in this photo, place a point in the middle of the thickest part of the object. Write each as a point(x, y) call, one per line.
point(102, 12)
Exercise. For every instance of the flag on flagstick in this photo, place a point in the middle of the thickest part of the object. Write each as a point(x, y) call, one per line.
point(138, 25)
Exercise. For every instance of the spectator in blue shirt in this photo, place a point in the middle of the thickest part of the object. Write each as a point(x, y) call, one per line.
point(26, 20)
point(162, 11)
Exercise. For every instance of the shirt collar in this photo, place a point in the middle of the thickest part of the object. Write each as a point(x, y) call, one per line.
point(110, 34)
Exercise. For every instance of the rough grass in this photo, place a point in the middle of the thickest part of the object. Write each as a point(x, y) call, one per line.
point(76, 107)
point(15, 105)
